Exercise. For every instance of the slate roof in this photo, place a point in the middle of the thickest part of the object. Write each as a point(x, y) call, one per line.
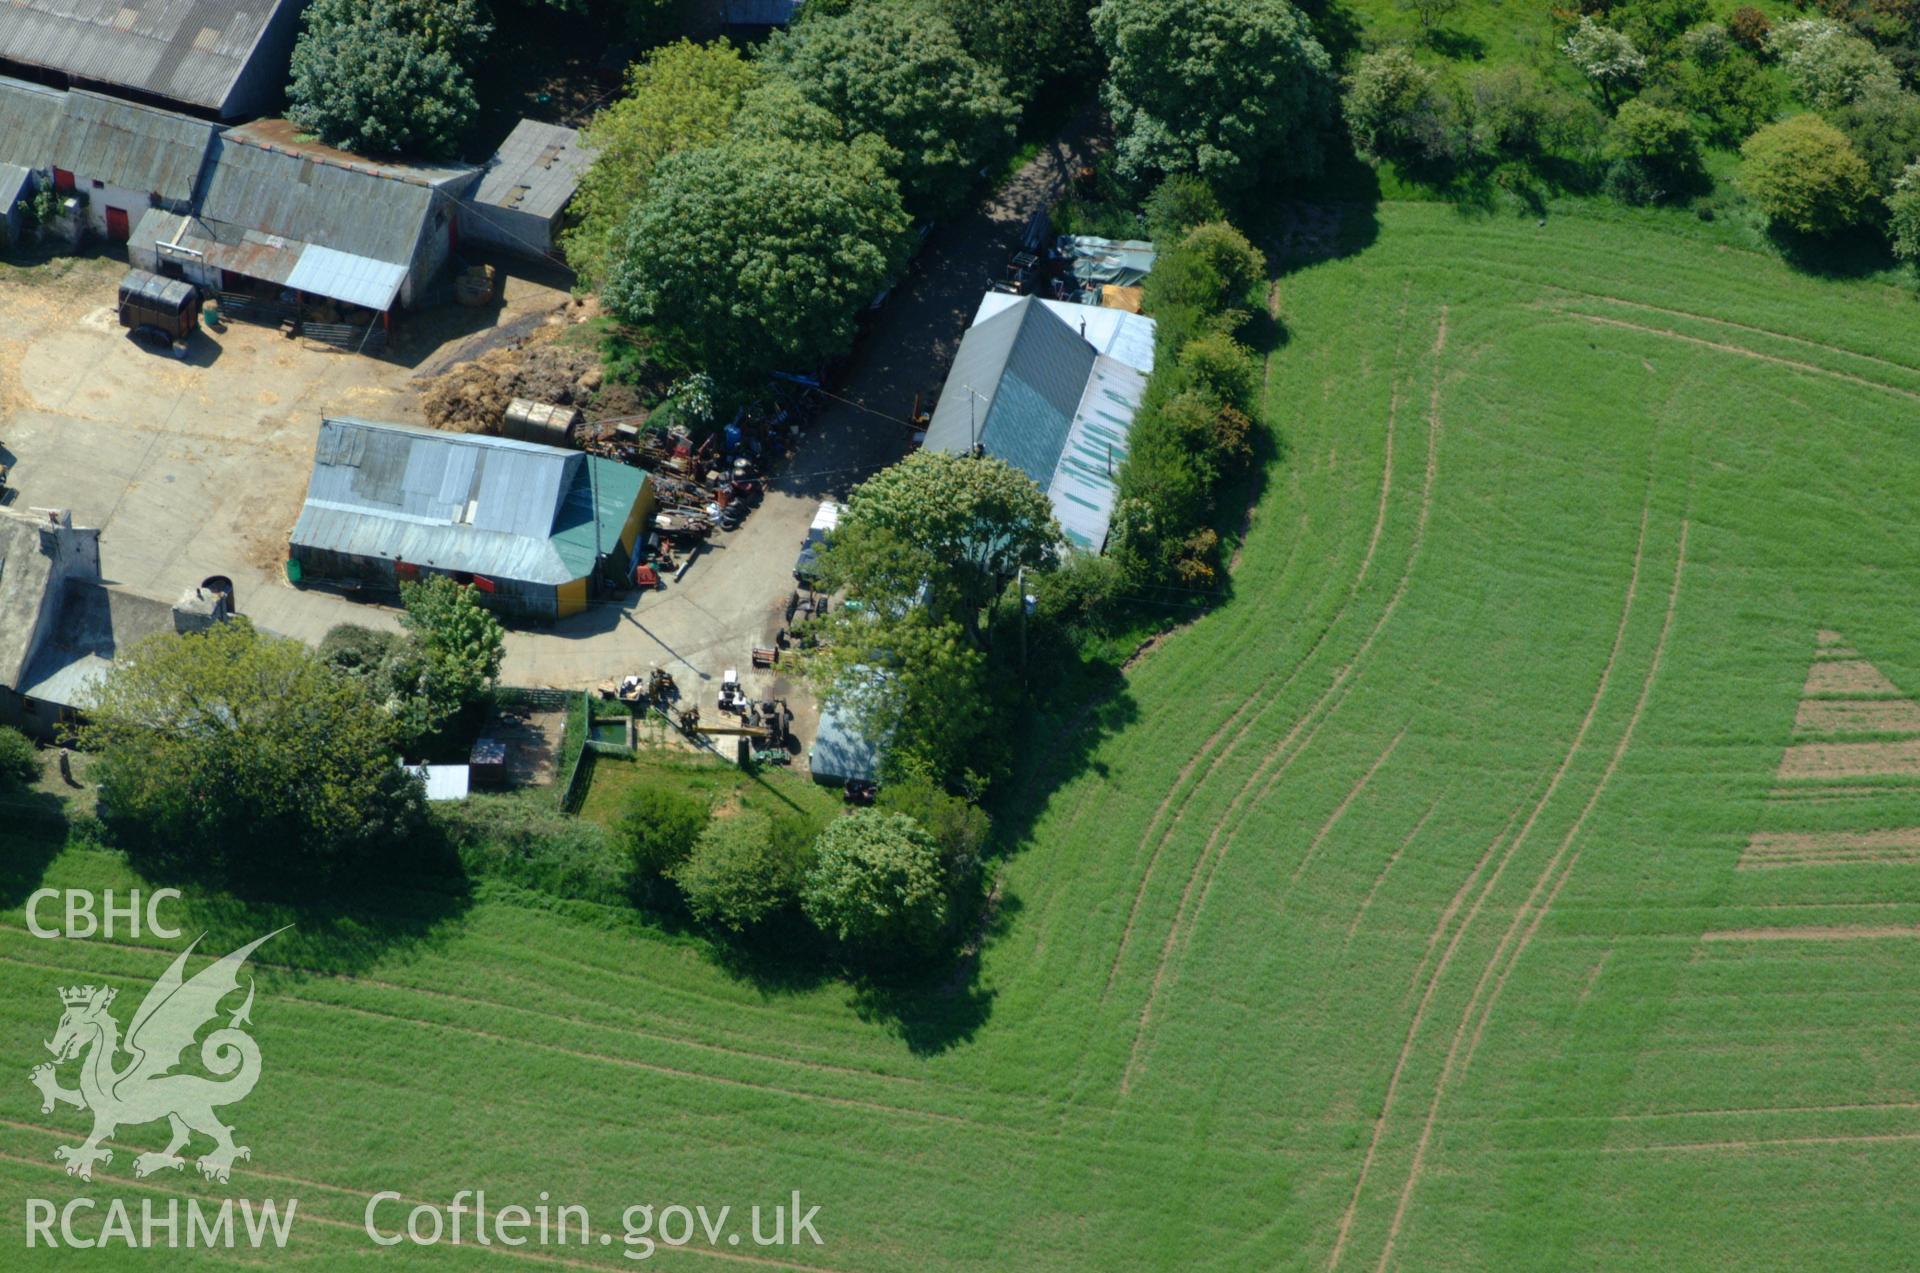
point(491, 506)
point(95, 624)
point(190, 51)
point(535, 171)
point(1118, 333)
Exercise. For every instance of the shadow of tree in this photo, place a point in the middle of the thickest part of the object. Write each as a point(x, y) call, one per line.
point(35, 833)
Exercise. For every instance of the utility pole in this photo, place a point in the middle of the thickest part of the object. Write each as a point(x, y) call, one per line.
point(1020, 587)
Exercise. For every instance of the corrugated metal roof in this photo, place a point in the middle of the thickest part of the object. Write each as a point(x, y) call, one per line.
point(1085, 485)
point(1047, 403)
point(1114, 332)
point(1014, 386)
point(13, 186)
point(842, 748)
point(535, 171)
point(29, 113)
point(136, 147)
point(368, 210)
point(345, 277)
point(1095, 260)
point(187, 50)
point(595, 512)
point(455, 501)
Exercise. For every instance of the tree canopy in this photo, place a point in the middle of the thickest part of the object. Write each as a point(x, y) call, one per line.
point(754, 255)
point(388, 76)
point(1231, 90)
point(740, 871)
point(1030, 42)
point(230, 749)
point(1803, 173)
point(877, 881)
point(903, 74)
point(679, 96)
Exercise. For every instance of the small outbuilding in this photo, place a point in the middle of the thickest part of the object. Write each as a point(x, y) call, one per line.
point(525, 188)
point(539, 530)
point(842, 750)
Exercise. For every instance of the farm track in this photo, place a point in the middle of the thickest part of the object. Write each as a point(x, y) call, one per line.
point(1323, 708)
point(1418, 1019)
point(1449, 1070)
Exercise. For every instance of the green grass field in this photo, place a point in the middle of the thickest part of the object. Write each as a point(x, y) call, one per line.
point(1402, 927)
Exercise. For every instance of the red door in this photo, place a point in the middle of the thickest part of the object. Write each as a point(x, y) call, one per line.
point(117, 228)
point(62, 180)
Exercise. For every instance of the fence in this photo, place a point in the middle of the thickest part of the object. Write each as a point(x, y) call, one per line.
point(254, 309)
point(371, 339)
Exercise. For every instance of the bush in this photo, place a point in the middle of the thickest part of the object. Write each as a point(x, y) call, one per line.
point(958, 826)
point(1179, 204)
point(877, 882)
point(1749, 27)
point(1804, 175)
point(1396, 109)
point(660, 826)
point(1903, 214)
point(18, 763)
point(1220, 368)
point(1606, 57)
point(740, 872)
point(1654, 152)
point(1828, 65)
point(1214, 275)
point(1885, 131)
point(1519, 114)
point(513, 839)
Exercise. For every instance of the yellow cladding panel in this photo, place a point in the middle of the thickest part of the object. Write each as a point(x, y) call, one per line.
point(573, 597)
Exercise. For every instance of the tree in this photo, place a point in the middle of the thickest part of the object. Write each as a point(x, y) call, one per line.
point(1212, 280)
point(740, 872)
point(1828, 65)
point(1903, 214)
point(1606, 57)
point(958, 826)
point(915, 682)
point(461, 644)
point(1230, 90)
point(661, 825)
point(901, 73)
point(1884, 128)
point(388, 76)
point(1749, 27)
point(1803, 173)
point(678, 97)
point(1396, 109)
point(753, 255)
point(1032, 43)
point(978, 516)
point(18, 765)
point(227, 749)
point(1654, 152)
point(877, 882)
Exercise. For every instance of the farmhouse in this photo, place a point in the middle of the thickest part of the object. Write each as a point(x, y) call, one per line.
point(1031, 386)
point(125, 159)
point(526, 187)
point(535, 528)
point(223, 59)
point(62, 626)
point(279, 214)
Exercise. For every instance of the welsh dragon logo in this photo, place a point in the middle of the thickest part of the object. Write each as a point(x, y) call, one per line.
point(145, 1089)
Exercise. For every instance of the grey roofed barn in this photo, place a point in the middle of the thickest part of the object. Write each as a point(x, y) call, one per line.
point(224, 57)
point(134, 147)
point(535, 171)
point(29, 114)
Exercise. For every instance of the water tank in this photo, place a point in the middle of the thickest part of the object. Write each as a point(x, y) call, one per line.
point(222, 586)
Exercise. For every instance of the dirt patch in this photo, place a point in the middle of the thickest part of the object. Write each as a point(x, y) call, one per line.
point(1839, 716)
point(1847, 678)
point(473, 397)
point(1820, 848)
point(1826, 637)
point(1813, 933)
point(1829, 793)
point(1851, 760)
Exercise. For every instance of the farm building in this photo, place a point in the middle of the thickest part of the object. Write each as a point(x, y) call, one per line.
point(223, 59)
point(536, 528)
point(17, 186)
point(277, 214)
point(1030, 386)
point(525, 188)
point(125, 159)
point(842, 750)
point(62, 626)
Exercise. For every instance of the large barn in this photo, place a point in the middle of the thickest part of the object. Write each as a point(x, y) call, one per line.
point(1030, 385)
point(539, 530)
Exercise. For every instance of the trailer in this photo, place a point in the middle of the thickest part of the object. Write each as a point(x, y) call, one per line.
point(159, 308)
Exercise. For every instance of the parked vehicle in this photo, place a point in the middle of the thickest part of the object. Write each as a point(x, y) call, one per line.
point(157, 308)
point(824, 521)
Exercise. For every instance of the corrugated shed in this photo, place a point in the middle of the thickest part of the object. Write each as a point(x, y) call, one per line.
point(1015, 384)
point(842, 748)
point(1085, 486)
point(457, 502)
point(595, 512)
point(134, 147)
point(189, 51)
point(29, 114)
point(14, 186)
point(535, 171)
point(369, 210)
